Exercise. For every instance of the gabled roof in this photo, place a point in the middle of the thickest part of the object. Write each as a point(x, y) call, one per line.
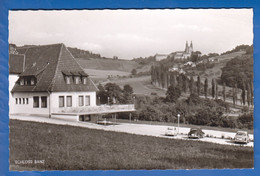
point(16, 63)
point(47, 63)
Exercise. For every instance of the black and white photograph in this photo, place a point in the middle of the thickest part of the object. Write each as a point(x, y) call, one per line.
point(131, 89)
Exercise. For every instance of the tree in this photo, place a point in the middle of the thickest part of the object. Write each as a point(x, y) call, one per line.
point(127, 93)
point(198, 85)
point(251, 91)
point(172, 94)
point(233, 95)
point(248, 94)
point(224, 91)
point(152, 74)
point(172, 79)
point(134, 72)
point(114, 92)
point(216, 84)
point(191, 84)
point(101, 95)
point(243, 95)
point(184, 84)
point(206, 87)
point(213, 88)
point(179, 81)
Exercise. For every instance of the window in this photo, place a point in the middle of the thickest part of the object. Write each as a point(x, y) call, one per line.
point(76, 80)
point(87, 100)
point(69, 101)
point(67, 79)
point(16, 101)
point(23, 100)
point(25, 81)
point(20, 100)
point(32, 81)
point(22, 81)
point(61, 101)
point(84, 80)
point(44, 102)
point(81, 101)
point(27, 101)
point(36, 102)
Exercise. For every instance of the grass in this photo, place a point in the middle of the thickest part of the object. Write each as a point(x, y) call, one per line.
point(141, 85)
point(75, 148)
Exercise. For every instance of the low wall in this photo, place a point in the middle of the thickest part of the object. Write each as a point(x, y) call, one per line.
point(67, 117)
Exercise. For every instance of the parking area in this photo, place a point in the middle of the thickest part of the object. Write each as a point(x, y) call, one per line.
point(219, 137)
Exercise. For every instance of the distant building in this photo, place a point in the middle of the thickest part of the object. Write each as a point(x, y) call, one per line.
point(183, 55)
point(213, 59)
point(159, 57)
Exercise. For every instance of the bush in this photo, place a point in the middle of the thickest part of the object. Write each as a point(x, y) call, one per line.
point(246, 121)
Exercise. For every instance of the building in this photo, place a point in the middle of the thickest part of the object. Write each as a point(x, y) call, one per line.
point(183, 55)
point(16, 67)
point(51, 83)
point(159, 57)
point(178, 55)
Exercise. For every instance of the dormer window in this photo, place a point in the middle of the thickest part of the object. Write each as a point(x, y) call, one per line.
point(84, 80)
point(67, 78)
point(32, 81)
point(76, 79)
point(22, 81)
point(27, 81)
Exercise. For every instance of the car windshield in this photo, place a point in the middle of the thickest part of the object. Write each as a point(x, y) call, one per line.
point(241, 133)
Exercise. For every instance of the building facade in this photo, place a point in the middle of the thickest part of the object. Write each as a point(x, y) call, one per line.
point(51, 79)
point(48, 81)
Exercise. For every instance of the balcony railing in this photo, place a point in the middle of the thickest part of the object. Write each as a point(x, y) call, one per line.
point(101, 109)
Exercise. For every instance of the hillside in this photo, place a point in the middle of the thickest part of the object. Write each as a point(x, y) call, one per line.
point(220, 62)
point(107, 64)
point(78, 53)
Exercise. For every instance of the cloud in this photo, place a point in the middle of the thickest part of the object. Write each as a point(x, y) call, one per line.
point(91, 46)
point(191, 27)
point(126, 37)
point(44, 35)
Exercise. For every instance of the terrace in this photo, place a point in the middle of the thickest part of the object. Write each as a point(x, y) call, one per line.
point(100, 109)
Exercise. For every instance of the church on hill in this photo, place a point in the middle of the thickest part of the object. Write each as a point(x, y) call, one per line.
point(183, 55)
point(178, 55)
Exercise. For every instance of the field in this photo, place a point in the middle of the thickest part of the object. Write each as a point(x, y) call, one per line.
point(141, 85)
point(75, 148)
point(107, 64)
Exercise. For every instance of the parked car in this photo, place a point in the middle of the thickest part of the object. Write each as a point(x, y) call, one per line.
point(242, 137)
point(171, 131)
point(196, 133)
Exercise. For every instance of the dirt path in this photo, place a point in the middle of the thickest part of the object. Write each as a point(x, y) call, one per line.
point(140, 129)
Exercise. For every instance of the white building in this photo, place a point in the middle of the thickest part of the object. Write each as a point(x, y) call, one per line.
point(53, 84)
point(159, 57)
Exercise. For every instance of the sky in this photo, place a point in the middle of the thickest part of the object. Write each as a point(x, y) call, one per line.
point(130, 34)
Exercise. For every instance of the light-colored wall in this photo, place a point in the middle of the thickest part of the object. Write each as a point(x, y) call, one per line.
point(12, 80)
point(160, 57)
point(54, 98)
point(52, 101)
point(27, 108)
point(66, 117)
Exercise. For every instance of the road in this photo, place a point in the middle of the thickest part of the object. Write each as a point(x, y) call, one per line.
point(141, 129)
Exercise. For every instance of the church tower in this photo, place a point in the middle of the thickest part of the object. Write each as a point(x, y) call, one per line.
point(191, 47)
point(187, 47)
